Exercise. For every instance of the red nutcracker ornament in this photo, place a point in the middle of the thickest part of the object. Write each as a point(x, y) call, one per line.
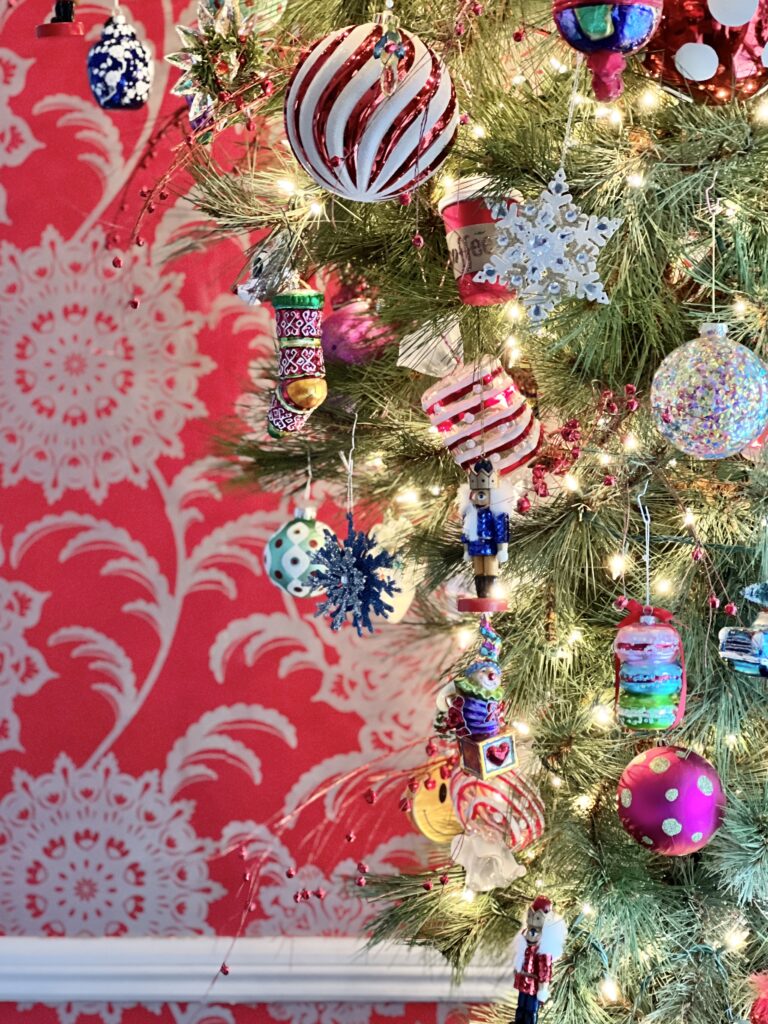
point(607, 33)
point(534, 950)
point(711, 51)
point(301, 370)
point(471, 236)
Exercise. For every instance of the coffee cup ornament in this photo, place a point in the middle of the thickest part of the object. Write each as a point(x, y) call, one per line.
point(471, 236)
point(711, 51)
point(607, 34)
point(371, 112)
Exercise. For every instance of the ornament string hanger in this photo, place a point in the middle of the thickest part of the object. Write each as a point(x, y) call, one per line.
point(714, 209)
point(572, 104)
point(348, 462)
point(646, 517)
point(308, 486)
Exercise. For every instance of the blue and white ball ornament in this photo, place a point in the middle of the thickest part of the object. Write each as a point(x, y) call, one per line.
point(710, 397)
point(120, 68)
point(291, 553)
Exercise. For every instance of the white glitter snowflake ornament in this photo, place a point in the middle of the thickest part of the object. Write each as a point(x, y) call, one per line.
point(547, 250)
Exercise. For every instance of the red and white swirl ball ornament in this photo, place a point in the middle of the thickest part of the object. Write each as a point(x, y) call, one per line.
point(358, 139)
point(505, 808)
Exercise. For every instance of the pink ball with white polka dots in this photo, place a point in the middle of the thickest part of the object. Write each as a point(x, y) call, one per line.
point(671, 801)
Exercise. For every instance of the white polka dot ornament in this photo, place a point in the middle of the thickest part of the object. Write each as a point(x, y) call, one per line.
point(289, 554)
point(120, 68)
point(370, 112)
point(671, 801)
point(711, 51)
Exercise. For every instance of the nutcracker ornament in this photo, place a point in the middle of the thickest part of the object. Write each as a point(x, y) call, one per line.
point(301, 370)
point(485, 535)
point(650, 670)
point(607, 34)
point(747, 649)
point(475, 711)
point(534, 950)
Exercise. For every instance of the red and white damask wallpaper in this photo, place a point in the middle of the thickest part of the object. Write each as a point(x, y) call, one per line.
point(160, 700)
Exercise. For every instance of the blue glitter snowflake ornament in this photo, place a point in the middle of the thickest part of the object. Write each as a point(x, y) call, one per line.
point(350, 574)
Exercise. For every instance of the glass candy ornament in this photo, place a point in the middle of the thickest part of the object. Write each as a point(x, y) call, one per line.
point(353, 334)
point(120, 68)
point(478, 410)
point(607, 33)
point(471, 236)
point(746, 649)
point(301, 369)
point(650, 670)
point(289, 557)
point(365, 123)
point(506, 810)
point(710, 396)
point(62, 24)
point(711, 51)
point(671, 801)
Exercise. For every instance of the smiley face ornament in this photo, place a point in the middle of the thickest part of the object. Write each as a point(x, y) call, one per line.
point(432, 810)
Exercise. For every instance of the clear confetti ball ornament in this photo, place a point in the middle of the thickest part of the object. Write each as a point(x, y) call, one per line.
point(289, 556)
point(710, 397)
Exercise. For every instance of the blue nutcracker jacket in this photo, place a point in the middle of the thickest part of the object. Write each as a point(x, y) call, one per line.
point(491, 530)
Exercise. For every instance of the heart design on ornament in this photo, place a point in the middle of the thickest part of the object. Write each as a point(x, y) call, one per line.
point(498, 753)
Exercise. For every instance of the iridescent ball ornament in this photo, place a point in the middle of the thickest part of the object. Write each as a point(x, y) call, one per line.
point(353, 333)
point(370, 112)
point(290, 554)
point(607, 33)
point(671, 801)
point(711, 51)
point(120, 68)
point(710, 397)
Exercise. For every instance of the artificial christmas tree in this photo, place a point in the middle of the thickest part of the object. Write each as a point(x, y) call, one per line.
point(668, 227)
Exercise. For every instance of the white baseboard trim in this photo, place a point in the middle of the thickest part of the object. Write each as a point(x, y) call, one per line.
point(262, 970)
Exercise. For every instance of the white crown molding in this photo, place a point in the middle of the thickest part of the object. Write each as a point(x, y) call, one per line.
point(262, 970)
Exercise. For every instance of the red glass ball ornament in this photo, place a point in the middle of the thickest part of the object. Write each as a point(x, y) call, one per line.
point(697, 56)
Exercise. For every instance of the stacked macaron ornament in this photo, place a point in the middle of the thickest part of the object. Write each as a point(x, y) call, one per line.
point(478, 411)
point(650, 670)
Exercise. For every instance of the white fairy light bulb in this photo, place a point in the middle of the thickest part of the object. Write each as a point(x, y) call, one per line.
point(522, 727)
point(609, 990)
point(617, 565)
point(575, 636)
point(464, 638)
point(636, 179)
point(286, 185)
point(408, 496)
point(478, 131)
point(630, 442)
point(689, 518)
point(571, 482)
point(602, 715)
point(663, 586)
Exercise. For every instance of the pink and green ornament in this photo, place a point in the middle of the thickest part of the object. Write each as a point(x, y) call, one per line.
point(671, 801)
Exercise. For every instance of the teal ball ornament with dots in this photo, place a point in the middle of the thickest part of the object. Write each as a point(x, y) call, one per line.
point(290, 554)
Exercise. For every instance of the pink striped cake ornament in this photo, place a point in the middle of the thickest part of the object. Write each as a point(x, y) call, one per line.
point(478, 411)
